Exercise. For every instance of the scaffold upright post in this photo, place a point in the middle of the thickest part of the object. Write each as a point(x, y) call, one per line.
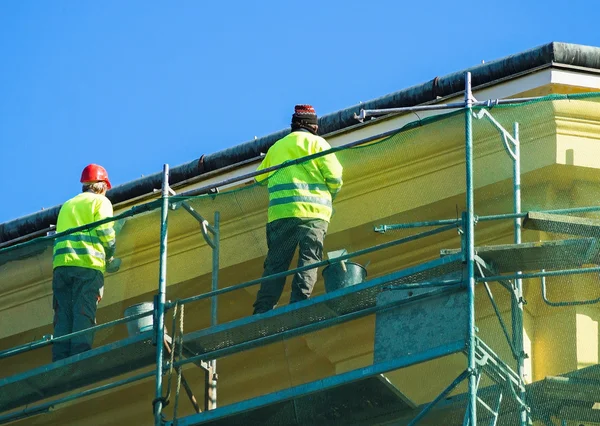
point(161, 296)
point(470, 251)
point(212, 390)
point(517, 301)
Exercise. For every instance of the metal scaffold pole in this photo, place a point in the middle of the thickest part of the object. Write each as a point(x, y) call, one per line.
point(469, 225)
point(160, 298)
point(212, 382)
point(517, 301)
point(517, 183)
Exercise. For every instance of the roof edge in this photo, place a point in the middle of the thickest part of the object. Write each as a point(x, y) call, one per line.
point(445, 86)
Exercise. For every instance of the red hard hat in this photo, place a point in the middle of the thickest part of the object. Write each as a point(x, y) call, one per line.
point(95, 173)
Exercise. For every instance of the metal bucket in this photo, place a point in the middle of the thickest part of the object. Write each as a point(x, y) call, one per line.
point(139, 325)
point(343, 274)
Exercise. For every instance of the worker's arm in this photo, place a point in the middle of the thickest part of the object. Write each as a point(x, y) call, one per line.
point(106, 231)
point(262, 179)
point(330, 169)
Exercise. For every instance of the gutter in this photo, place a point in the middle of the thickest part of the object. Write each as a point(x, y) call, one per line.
point(555, 53)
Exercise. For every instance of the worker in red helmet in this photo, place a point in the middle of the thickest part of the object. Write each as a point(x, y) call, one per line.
point(80, 260)
point(300, 207)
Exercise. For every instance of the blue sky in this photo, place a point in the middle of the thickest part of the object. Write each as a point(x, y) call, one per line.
point(135, 84)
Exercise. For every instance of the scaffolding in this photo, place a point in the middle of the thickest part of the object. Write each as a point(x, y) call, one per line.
point(444, 287)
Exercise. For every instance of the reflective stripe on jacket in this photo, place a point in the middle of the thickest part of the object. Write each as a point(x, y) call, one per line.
point(89, 248)
point(301, 190)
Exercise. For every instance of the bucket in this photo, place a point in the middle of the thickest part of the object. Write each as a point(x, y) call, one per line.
point(336, 277)
point(139, 325)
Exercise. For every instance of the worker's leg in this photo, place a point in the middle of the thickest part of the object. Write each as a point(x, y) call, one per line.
point(87, 293)
point(281, 241)
point(63, 311)
point(311, 236)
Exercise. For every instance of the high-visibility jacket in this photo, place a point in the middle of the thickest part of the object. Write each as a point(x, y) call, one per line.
point(92, 247)
point(301, 190)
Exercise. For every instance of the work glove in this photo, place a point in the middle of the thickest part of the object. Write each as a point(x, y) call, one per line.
point(113, 264)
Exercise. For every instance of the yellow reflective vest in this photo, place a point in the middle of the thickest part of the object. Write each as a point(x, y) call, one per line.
point(301, 190)
point(89, 248)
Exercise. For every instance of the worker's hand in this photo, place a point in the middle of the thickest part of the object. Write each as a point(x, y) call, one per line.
point(113, 264)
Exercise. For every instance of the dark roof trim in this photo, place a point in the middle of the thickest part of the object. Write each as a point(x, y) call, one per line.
point(451, 84)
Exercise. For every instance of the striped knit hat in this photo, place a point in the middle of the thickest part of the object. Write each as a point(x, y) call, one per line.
point(304, 114)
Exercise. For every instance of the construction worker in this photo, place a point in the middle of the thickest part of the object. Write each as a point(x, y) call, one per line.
point(300, 207)
point(79, 262)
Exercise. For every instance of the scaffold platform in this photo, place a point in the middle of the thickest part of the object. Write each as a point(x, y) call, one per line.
point(562, 224)
point(137, 352)
point(534, 256)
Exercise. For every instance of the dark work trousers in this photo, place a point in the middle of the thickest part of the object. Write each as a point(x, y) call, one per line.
point(283, 236)
point(76, 293)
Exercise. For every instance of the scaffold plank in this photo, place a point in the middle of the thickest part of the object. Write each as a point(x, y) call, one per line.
point(432, 321)
point(534, 256)
point(581, 385)
point(562, 224)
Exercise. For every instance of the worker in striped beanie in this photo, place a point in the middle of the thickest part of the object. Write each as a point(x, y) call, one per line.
point(300, 207)
point(305, 117)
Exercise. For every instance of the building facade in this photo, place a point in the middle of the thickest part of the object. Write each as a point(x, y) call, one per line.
point(398, 168)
